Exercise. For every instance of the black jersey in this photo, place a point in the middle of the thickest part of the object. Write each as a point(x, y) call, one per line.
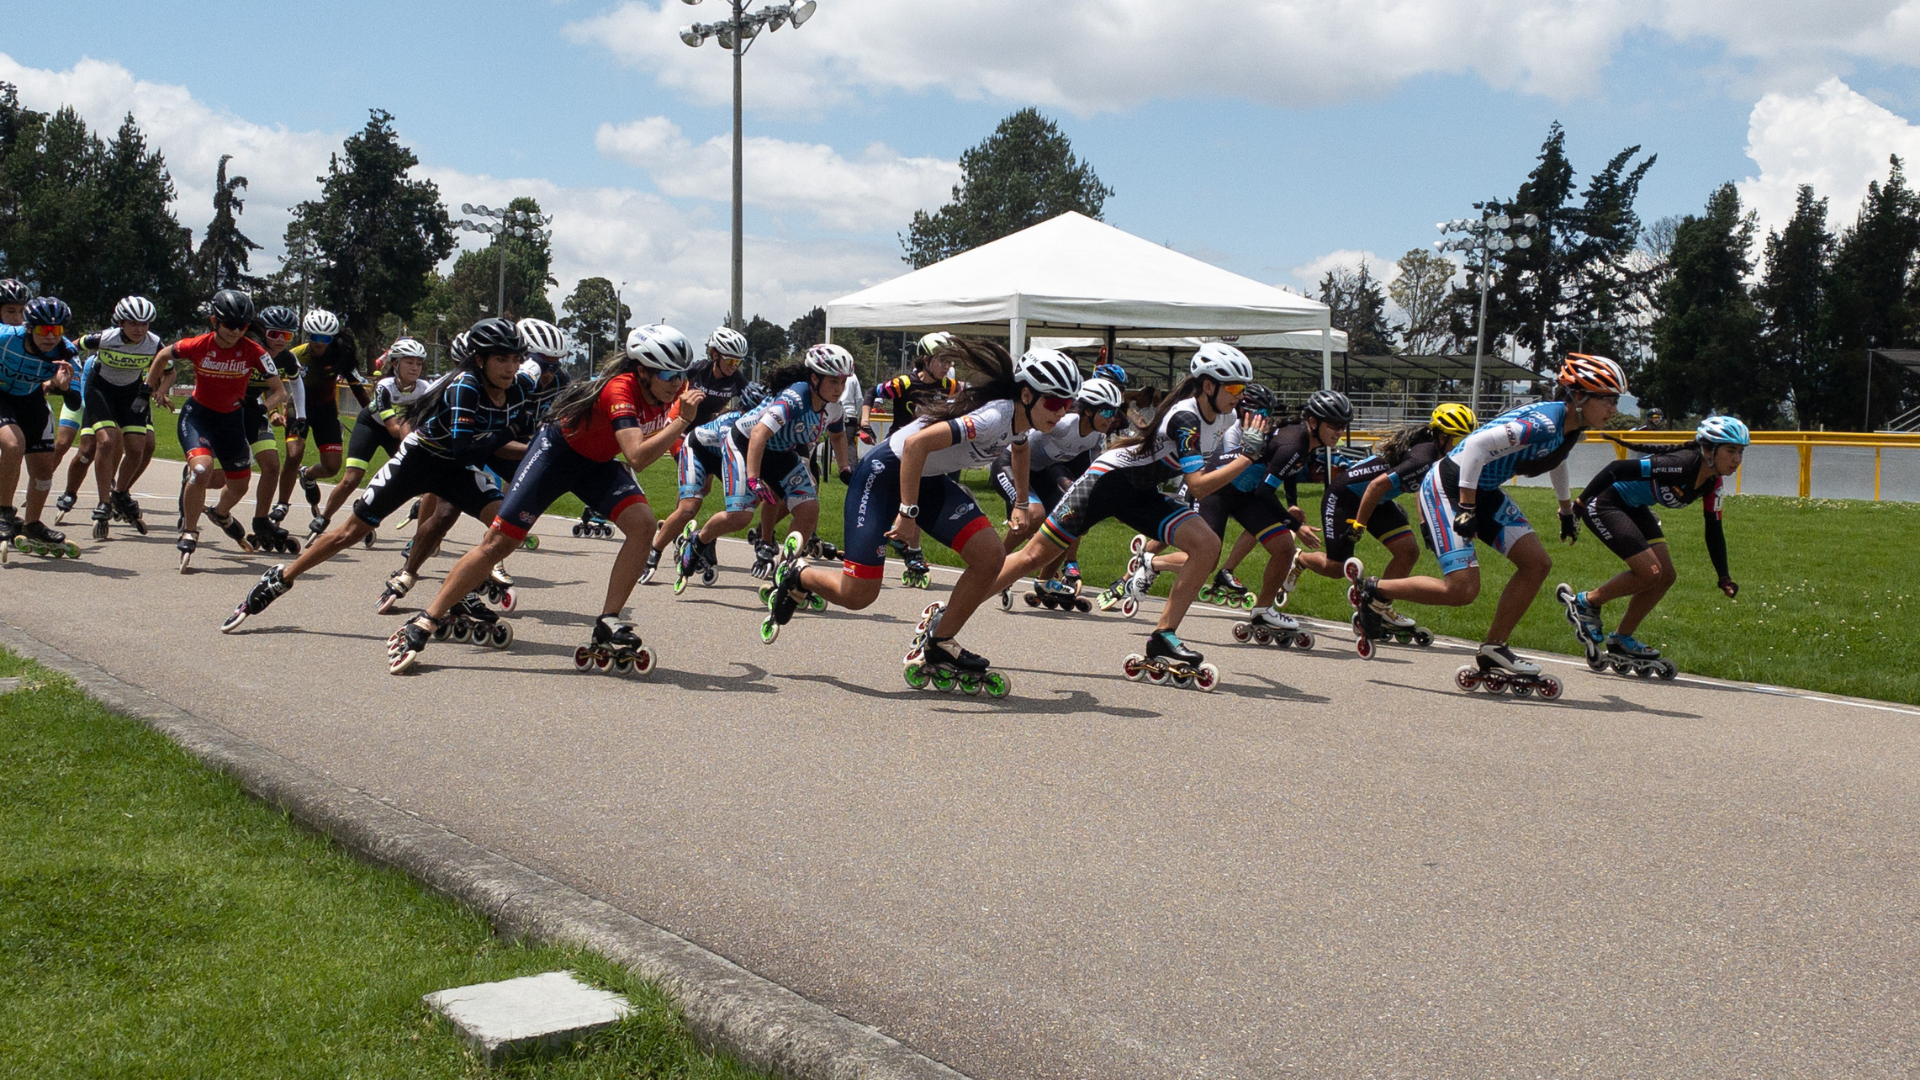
point(465, 425)
point(1291, 457)
point(720, 390)
point(1413, 468)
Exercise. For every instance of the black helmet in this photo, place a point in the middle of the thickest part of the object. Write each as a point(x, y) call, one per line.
point(231, 306)
point(754, 394)
point(49, 311)
point(493, 336)
point(1330, 406)
point(1257, 398)
point(14, 292)
point(283, 319)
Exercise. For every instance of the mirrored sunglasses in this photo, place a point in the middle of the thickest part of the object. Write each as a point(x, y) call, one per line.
point(54, 331)
point(320, 339)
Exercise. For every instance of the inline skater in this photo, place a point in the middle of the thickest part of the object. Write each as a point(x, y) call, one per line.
point(1618, 506)
point(1055, 459)
point(383, 423)
point(598, 435)
point(277, 326)
point(720, 380)
point(118, 412)
point(326, 362)
point(929, 385)
point(764, 451)
point(35, 359)
point(1198, 425)
point(461, 422)
point(1225, 588)
point(1461, 502)
point(1361, 501)
point(913, 479)
point(211, 426)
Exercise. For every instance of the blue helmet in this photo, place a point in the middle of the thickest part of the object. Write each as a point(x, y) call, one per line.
point(1114, 373)
point(1723, 431)
point(48, 311)
point(753, 394)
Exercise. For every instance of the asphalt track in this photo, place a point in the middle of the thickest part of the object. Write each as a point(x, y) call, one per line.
point(1329, 867)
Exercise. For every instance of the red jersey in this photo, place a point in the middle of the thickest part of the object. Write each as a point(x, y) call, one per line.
point(619, 406)
point(220, 375)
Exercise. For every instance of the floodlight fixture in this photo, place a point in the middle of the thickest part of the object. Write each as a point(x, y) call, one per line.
point(803, 11)
point(694, 36)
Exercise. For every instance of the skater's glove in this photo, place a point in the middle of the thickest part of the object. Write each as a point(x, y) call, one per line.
point(1253, 443)
point(1349, 529)
point(1730, 587)
point(1466, 520)
point(760, 491)
point(846, 477)
point(866, 434)
point(1569, 527)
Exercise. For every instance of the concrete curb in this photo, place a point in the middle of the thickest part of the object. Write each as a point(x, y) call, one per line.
point(729, 1008)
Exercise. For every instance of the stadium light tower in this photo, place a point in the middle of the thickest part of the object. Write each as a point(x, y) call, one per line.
point(502, 224)
point(1495, 232)
point(736, 34)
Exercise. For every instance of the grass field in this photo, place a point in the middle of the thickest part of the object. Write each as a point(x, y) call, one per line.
point(1825, 603)
point(156, 922)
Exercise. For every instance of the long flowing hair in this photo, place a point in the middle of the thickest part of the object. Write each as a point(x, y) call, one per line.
point(992, 369)
point(429, 401)
point(1393, 446)
point(573, 405)
point(1182, 390)
point(784, 376)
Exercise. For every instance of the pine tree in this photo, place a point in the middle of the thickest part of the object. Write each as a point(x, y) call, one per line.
point(143, 250)
point(595, 317)
point(1791, 296)
point(808, 330)
point(1868, 303)
point(1359, 307)
point(221, 262)
point(1708, 356)
point(1021, 175)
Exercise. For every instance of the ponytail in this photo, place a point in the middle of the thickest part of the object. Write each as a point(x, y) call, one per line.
point(575, 404)
point(992, 369)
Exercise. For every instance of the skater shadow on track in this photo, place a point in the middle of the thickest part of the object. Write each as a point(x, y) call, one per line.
point(1273, 691)
point(753, 682)
point(1066, 702)
point(1611, 704)
point(70, 566)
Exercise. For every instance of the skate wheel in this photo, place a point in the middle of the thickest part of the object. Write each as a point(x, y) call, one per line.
point(1129, 607)
point(1423, 637)
point(1668, 671)
point(944, 681)
point(708, 577)
point(1205, 678)
point(1182, 682)
point(1353, 596)
point(582, 658)
point(679, 585)
point(969, 685)
point(1033, 601)
point(1467, 678)
point(602, 661)
point(234, 620)
point(1247, 601)
point(1134, 666)
point(1303, 640)
point(928, 611)
point(766, 594)
point(1619, 668)
point(769, 630)
point(642, 661)
point(1363, 645)
point(1597, 663)
point(1138, 544)
point(1643, 671)
point(622, 665)
point(1261, 636)
point(1354, 570)
point(817, 603)
point(1082, 606)
point(398, 665)
point(462, 633)
point(1494, 682)
point(576, 530)
point(442, 632)
point(508, 599)
point(996, 685)
point(916, 676)
point(1241, 632)
point(502, 635)
point(532, 542)
point(385, 603)
point(1158, 676)
point(1522, 689)
point(1550, 688)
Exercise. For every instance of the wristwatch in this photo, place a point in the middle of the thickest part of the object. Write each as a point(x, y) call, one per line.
point(910, 511)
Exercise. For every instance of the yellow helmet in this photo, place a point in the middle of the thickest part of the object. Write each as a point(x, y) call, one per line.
point(1453, 418)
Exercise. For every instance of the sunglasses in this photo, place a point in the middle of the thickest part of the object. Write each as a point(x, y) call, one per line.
point(320, 339)
point(232, 325)
point(1234, 387)
point(1106, 414)
point(50, 331)
point(670, 376)
point(1056, 404)
point(279, 335)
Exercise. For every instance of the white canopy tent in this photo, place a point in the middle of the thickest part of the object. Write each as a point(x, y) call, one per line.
point(1071, 275)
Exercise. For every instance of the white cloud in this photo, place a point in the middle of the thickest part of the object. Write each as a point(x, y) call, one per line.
point(1308, 274)
point(1086, 56)
point(878, 190)
point(1832, 138)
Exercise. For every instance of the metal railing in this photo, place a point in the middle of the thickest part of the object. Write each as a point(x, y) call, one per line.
point(1383, 409)
point(1803, 441)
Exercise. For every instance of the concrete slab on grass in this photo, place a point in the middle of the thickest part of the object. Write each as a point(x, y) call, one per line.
point(517, 1016)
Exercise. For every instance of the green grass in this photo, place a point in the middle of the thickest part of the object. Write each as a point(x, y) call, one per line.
point(1825, 600)
point(156, 922)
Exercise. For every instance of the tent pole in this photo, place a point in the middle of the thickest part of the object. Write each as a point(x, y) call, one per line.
point(1326, 354)
point(1016, 336)
point(1112, 356)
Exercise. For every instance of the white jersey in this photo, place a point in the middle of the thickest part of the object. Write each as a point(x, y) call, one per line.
point(978, 438)
point(1184, 443)
point(1063, 443)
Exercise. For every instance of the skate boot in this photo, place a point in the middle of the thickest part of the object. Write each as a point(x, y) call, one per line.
point(764, 556)
point(102, 518)
point(278, 513)
point(822, 550)
point(62, 506)
point(1628, 655)
point(270, 537)
point(188, 543)
point(652, 567)
point(592, 524)
point(317, 527)
point(945, 666)
point(1290, 582)
point(697, 556)
point(786, 594)
point(226, 524)
point(311, 489)
point(1397, 626)
point(413, 517)
point(1070, 574)
point(129, 511)
point(399, 583)
point(1497, 669)
point(1055, 595)
point(367, 540)
point(1226, 590)
point(499, 587)
point(34, 538)
point(471, 620)
point(1585, 620)
point(408, 642)
point(269, 588)
point(614, 646)
point(916, 574)
point(1269, 627)
point(1168, 660)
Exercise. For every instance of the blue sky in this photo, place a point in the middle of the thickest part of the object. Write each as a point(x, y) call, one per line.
point(1296, 143)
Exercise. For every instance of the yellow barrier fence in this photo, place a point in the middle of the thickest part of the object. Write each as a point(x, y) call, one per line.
point(1804, 441)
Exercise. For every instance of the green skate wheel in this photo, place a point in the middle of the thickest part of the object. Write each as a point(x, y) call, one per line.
point(679, 585)
point(969, 685)
point(996, 685)
point(769, 630)
point(816, 603)
point(531, 543)
point(943, 681)
point(916, 676)
point(766, 594)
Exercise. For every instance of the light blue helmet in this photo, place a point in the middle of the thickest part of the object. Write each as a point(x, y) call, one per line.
point(1723, 431)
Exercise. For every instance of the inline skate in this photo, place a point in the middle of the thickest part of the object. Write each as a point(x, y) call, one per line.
point(916, 574)
point(1071, 575)
point(1226, 590)
point(1127, 592)
point(1168, 660)
point(471, 620)
point(278, 513)
point(63, 506)
point(34, 538)
point(102, 519)
point(593, 525)
point(270, 537)
point(408, 642)
point(1628, 656)
point(614, 646)
point(653, 566)
point(945, 666)
point(317, 527)
point(823, 550)
point(786, 594)
point(499, 588)
point(1496, 669)
point(399, 584)
point(1585, 619)
point(1269, 627)
point(226, 524)
point(269, 588)
point(311, 489)
point(128, 511)
point(188, 543)
point(697, 556)
point(1056, 595)
point(764, 556)
point(1374, 619)
point(367, 540)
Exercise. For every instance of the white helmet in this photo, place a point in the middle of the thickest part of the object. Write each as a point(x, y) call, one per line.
point(1048, 372)
point(660, 347)
point(134, 309)
point(321, 321)
point(459, 348)
point(1222, 363)
point(829, 360)
point(729, 343)
point(406, 347)
point(1100, 393)
point(932, 342)
point(541, 338)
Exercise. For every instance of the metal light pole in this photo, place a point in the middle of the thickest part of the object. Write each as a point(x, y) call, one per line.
point(736, 34)
point(504, 223)
point(1488, 235)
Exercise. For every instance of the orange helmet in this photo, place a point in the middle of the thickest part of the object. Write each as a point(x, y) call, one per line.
point(1593, 374)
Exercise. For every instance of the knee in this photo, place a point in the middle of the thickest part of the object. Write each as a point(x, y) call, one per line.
point(1462, 589)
